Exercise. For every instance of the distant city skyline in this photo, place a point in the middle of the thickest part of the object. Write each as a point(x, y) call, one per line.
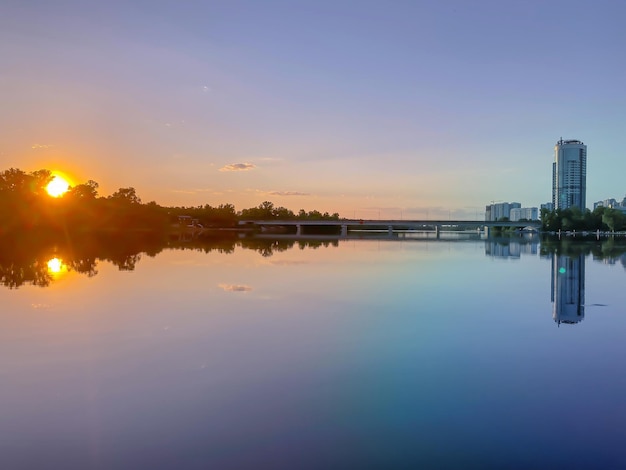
point(410, 109)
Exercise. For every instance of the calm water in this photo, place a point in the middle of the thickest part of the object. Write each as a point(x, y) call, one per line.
point(348, 354)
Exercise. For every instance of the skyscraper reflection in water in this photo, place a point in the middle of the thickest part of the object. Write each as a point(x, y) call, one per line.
point(568, 288)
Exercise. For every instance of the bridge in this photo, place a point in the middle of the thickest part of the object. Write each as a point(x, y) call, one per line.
point(346, 225)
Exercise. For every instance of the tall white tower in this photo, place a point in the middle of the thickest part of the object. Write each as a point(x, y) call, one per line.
point(569, 175)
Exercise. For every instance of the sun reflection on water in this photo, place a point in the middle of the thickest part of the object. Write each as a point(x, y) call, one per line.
point(56, 267)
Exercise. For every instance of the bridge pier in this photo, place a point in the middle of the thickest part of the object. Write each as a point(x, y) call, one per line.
point(298, 230)
point(487, 230)
point(437, 230)
point(344, 230)
point(390, 230)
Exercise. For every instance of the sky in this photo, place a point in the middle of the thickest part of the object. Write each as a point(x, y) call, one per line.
point(373, 109)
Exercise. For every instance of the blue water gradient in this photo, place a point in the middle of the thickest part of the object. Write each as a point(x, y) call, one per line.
point(368, 354)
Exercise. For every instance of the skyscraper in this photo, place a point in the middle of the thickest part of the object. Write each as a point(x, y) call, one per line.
point(569, 175)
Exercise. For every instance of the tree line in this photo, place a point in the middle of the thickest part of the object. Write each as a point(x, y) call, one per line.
point(26, 205)
point(601, 218)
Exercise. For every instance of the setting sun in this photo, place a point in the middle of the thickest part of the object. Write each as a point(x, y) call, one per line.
point(57, 187)
point(56, 268)
point(55, 265)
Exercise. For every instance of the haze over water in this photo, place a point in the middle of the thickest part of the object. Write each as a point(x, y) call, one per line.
point(343, 354)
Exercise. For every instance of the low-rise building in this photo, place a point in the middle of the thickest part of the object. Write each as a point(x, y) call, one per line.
point(524, 213)
point(611, 203)
point(499, 211)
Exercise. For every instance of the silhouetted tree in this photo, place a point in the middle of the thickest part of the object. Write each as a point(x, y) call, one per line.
point(126, 195)
point(84, 191)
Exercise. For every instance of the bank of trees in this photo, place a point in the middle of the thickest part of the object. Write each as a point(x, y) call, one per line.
point(266, 210)
point(25, 204)
point(601, 218)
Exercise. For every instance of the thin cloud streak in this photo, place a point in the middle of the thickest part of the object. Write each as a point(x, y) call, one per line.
point(288, 263)
point(235, 287)
point(197, 191)
point(288, 193)
point(238, 167)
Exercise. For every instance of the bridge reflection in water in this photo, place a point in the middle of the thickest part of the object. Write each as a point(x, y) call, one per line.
point(345, 226)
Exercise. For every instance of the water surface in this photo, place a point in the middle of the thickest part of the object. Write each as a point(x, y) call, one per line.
point(341, 354)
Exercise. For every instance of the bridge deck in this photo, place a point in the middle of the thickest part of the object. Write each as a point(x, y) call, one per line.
point(392, 223)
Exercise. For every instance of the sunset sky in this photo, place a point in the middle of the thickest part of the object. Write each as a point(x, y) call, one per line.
point(366, 108)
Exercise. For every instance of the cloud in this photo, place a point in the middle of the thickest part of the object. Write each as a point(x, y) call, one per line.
point(287, 262)
point(41, 146)
point(196, 191)
point(183, 191)
point(287, 193)
point(238, 167)
point(235, 287)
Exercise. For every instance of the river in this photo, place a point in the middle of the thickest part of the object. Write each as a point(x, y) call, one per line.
point(406, 353)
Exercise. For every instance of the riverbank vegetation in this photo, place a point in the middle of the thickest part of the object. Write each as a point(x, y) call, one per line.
point(27, 203)
point(602, 218)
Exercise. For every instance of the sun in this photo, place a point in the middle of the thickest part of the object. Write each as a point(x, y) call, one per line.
point(55, 265)
point(58, 186)
point(57, 268)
